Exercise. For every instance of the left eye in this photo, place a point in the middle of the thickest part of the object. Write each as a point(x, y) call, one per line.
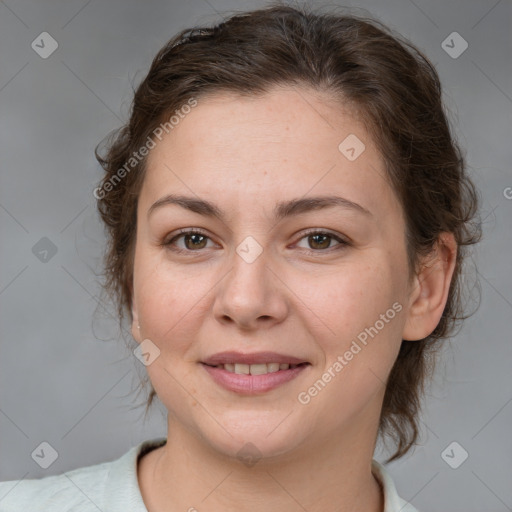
point(320, 240)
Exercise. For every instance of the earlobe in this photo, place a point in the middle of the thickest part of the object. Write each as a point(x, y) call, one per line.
point(135, 323)
point(135, 327)
point(430, 289)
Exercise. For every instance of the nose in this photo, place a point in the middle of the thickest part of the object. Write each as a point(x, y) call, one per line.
point(251, 296)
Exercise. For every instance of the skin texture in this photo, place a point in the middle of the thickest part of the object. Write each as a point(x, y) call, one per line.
point(245, 155)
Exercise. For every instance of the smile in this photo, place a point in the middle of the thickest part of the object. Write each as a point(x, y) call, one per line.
point(256, 369)
point(254, 378)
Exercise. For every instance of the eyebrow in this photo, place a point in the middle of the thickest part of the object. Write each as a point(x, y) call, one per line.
point(282, 210)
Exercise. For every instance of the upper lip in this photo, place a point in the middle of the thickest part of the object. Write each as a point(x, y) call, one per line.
point(255, 358)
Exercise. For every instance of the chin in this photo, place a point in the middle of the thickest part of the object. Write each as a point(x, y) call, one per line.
point(251, 437)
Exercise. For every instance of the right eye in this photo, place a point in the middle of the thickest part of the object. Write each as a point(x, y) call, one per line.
point(194, 240)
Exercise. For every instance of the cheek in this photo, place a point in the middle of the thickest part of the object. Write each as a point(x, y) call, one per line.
point(162, 297)
point(345, 302)
point(362, 310)
point(172, 301)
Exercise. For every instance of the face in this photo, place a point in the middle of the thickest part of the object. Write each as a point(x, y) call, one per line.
point(326, 286)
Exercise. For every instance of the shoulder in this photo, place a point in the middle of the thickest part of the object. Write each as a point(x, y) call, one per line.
point(392, 502)
point(85, 489)
point(74, 490)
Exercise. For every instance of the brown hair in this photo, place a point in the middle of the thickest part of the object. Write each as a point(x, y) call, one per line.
point(397, 93)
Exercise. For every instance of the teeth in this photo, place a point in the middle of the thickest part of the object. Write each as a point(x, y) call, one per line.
point(255, 369)
point(258, 369)
point(242, 368)
point(273, 367)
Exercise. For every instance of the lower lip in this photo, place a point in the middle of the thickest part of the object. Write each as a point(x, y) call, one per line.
point(252, 384)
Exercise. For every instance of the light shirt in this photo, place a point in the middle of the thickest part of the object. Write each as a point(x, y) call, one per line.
point(114, 487)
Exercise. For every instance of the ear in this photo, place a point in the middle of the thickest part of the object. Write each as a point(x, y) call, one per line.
point(429, 290)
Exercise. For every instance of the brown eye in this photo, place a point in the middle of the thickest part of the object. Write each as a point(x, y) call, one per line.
point(192, 241)
point(321, 241)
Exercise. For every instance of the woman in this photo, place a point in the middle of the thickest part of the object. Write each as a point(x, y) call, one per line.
point(287, 214)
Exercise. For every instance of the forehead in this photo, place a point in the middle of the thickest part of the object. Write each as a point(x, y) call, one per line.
point(286, 143)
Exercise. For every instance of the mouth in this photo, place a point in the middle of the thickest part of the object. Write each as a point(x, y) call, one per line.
point(256, 369)
point(251, 374)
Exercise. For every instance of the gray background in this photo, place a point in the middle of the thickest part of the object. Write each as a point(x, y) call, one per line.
point(65, 379)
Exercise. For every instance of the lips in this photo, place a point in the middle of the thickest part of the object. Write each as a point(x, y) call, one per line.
point(256, 373)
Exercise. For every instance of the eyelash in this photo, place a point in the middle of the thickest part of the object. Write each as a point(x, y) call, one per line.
point(197, 231)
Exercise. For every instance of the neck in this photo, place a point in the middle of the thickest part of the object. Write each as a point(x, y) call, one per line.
point(189, 474)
